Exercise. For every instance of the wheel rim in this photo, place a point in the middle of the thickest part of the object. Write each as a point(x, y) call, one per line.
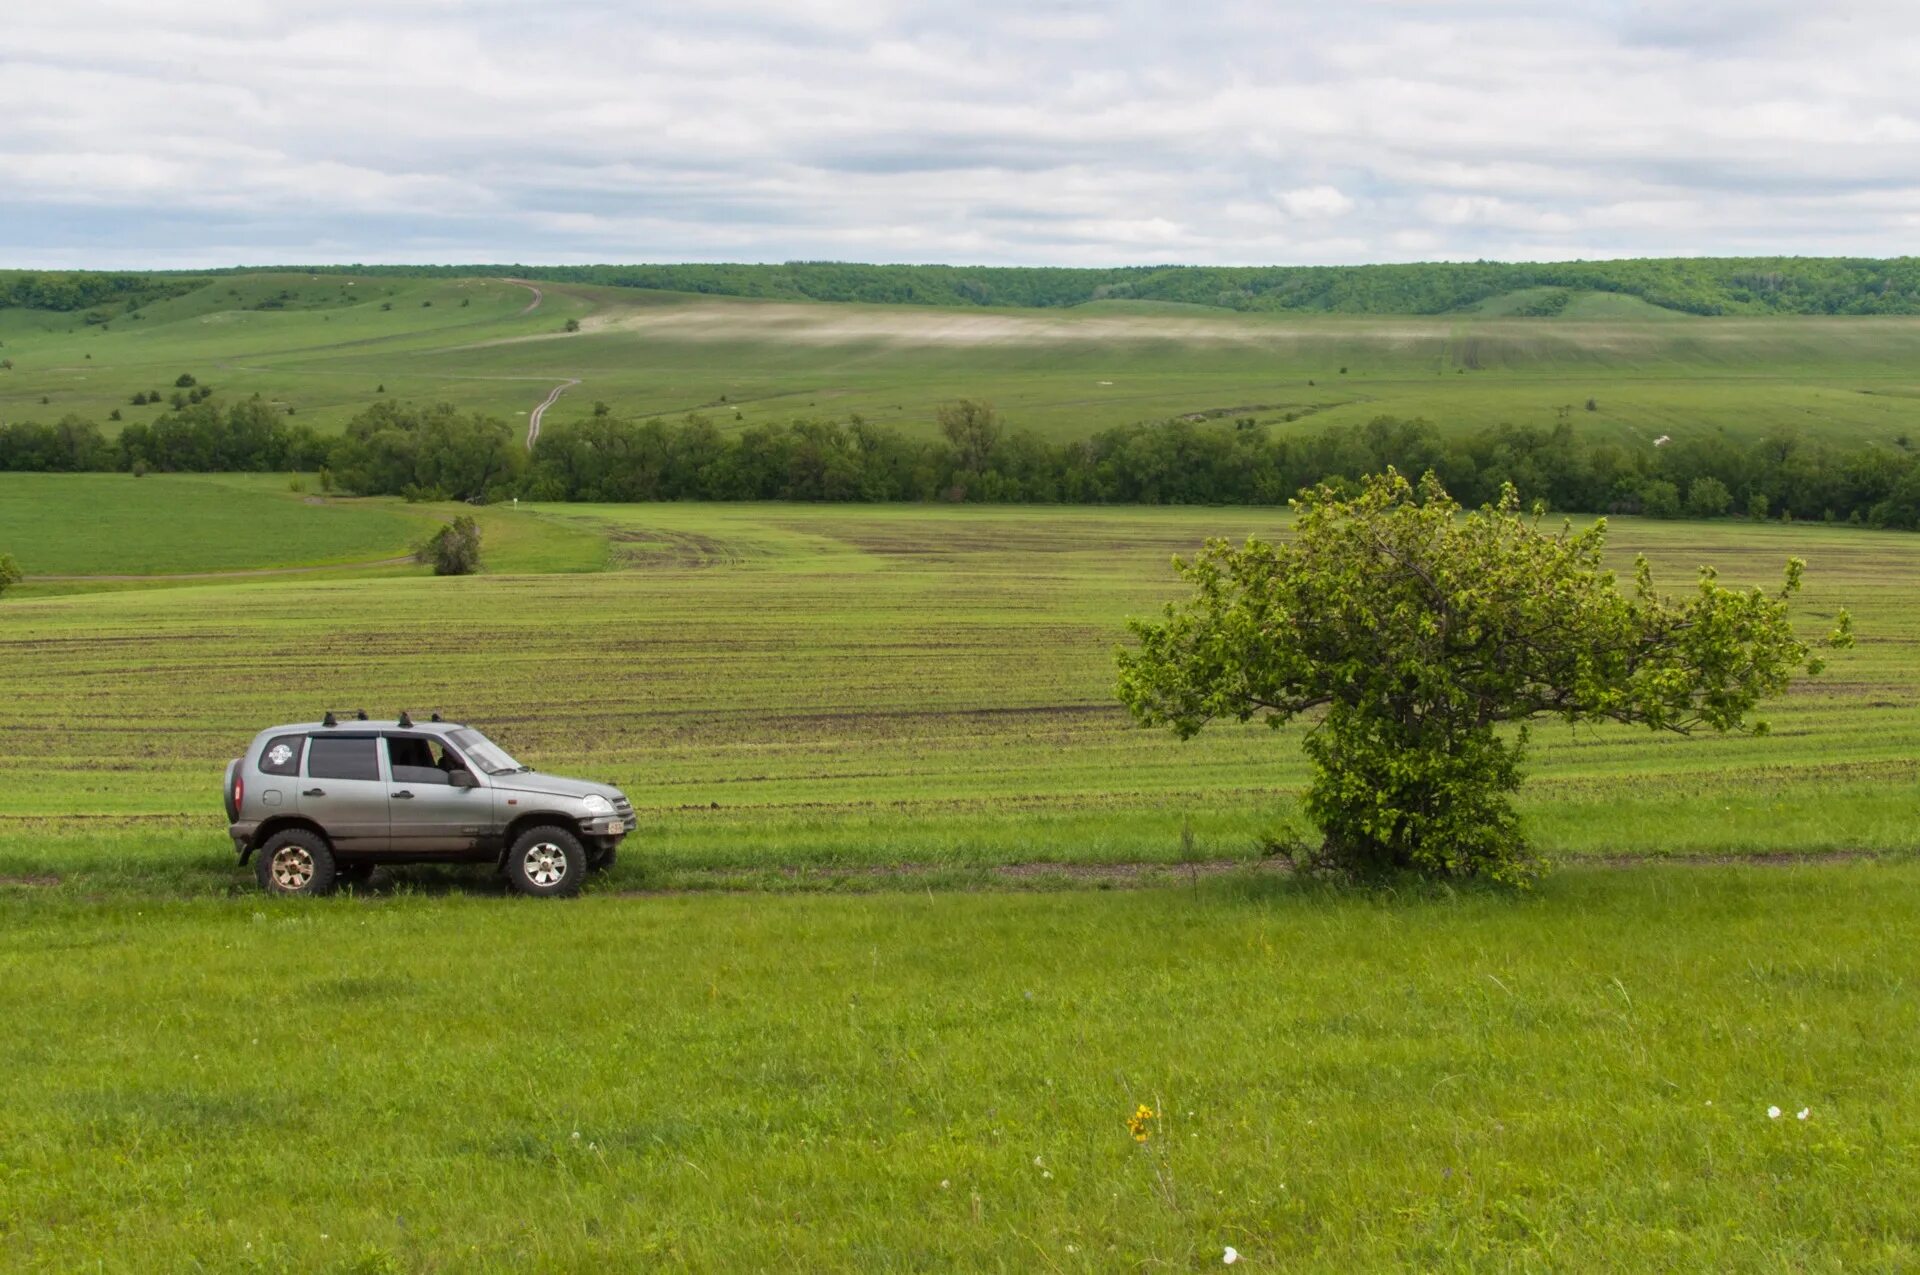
point(545, 864)
point(292, 868)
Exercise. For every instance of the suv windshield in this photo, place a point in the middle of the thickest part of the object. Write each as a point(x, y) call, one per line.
point(484, 753)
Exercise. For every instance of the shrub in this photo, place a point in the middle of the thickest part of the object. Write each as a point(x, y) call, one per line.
point(184, 380)
point(10, 573)
point(454, 550)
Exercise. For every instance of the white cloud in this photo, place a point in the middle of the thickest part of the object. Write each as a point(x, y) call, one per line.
point(1316, 201)
point(209, 131)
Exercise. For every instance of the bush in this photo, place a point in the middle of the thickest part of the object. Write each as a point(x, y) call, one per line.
point(454, 550)
point(10, 573)
point(184, 380)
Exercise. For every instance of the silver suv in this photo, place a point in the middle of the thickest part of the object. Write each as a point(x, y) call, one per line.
point(323, 803)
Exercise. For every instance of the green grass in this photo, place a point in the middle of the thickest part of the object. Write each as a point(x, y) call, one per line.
point(910, 1081)
point(108, 524)
point(1063, 373)
point(843, 687)
point(101, 526)
point(789, 1032)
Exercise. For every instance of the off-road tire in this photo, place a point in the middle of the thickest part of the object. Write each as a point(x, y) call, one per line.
point(601, 860)
point(546, 862)
point(296, 862)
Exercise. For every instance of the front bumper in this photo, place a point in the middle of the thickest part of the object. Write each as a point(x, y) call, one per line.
point(602, 826)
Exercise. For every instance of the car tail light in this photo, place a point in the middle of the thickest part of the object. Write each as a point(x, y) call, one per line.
point(239, 791)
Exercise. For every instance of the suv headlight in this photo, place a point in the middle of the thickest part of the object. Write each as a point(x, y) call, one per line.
point(595, 804)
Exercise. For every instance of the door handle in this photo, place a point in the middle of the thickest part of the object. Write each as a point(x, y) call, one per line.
point(314, 792)
point(403, 795)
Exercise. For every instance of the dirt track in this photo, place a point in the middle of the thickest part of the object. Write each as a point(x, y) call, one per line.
point(533, 421)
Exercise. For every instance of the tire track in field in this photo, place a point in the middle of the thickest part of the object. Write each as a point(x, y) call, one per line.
point(533, 421)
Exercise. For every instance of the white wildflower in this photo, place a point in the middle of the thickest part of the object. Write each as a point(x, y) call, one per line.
point(1773, 1113)
point(1231, 1256)
point(1802, 1113)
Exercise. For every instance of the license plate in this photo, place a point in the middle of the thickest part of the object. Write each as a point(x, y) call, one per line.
point(615, 828)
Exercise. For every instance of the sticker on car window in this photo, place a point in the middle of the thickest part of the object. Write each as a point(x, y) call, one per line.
point(280, 754)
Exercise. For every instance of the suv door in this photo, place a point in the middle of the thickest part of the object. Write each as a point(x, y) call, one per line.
point(344, 791)
point(428, 814)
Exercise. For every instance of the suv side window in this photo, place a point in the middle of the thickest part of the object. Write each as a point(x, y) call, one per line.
point(343, 757)
point(413, 759)
point(281, 756)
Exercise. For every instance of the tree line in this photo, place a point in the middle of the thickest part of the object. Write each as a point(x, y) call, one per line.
point(438, 452)
point(68, 290)
point(1692, 285)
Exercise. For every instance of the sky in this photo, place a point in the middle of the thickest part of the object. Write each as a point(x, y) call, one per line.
point(192, 133)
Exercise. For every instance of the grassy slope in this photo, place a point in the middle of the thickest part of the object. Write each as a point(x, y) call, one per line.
point(780, 686)
point(1063, 373)
point(1577, 1081)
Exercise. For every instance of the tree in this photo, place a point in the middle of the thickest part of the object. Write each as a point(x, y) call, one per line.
point(454, 550)
point(10, 573)
point(184, 380)
point(1421, 634)
point(1659, 499)
point(973, 427)
point(1708, 497)
point(572, 325)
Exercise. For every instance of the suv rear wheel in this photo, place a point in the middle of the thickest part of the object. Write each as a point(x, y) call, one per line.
point(296, 862)
point(546, 862)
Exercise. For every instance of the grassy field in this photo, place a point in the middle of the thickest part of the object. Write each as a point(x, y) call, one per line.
point(844, 689)
point(792, 1031)
point(329, 346)
point(1576, 1081)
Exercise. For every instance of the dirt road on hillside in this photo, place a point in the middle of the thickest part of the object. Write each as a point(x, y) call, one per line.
point(533, 421)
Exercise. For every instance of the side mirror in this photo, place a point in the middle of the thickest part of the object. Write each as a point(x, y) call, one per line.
point(462, 779)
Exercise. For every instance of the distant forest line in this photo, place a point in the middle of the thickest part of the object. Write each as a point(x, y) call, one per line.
point(440, 453)
point(1690, 285)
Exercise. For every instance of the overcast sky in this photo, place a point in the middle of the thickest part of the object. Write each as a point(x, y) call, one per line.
point(220, 132)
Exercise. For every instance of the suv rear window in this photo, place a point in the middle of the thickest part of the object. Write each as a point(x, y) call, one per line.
point(281, 756)
point(337, 757)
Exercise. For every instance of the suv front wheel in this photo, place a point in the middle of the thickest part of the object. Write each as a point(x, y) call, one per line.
point(296, 862)
point(546, 862)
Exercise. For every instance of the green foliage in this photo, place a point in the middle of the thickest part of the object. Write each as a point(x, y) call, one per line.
point(1660, 498)
point(973, 430)
point(85, 290)
point(184, 380)
point(1708, 497)
point(1421, 633)
point(10, 573)
point(454, 550)
point(436, 452)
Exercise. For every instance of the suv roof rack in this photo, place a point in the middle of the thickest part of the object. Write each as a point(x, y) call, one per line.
point(330, 719)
